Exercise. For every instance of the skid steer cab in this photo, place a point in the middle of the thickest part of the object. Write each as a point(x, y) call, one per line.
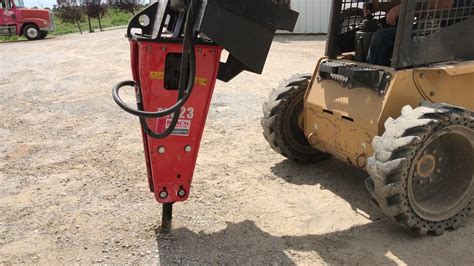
point(175, 51)
point(393, 96)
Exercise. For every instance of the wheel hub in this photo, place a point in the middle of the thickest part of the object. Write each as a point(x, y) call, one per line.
point(426, 165)
point(442, 182)
point(32, 32)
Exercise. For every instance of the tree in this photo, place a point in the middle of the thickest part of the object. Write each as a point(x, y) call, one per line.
point(94, 9)
point(125, 5)
point(70, 12)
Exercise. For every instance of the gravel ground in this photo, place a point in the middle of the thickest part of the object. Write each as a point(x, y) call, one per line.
point(74, 190)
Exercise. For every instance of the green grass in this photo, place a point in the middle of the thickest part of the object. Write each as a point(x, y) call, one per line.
point(9, 38)
point(113, 18)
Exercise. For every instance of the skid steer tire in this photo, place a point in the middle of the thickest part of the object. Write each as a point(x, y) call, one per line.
point(280, 122)
point(422, 171)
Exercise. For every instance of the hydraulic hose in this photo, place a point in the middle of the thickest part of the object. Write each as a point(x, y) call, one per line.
point(185, 88)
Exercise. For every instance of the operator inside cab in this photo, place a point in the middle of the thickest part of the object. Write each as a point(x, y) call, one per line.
point(383, 41)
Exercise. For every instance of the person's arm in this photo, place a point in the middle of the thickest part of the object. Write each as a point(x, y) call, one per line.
point(440, 4)
point(386, 6)
point(392, 10)
point(380, 6)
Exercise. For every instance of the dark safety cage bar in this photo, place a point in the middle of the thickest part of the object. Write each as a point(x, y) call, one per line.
point(346, 16)
point(429, 33)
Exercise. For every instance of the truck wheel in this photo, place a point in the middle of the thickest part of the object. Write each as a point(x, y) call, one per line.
point(43, 35)
point(422, 172)
point(282, 120)
point(31, 32)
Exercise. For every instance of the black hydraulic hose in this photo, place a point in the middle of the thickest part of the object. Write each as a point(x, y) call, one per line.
point(188, 39)
point(187, 64)
point(361, 43)
point(188, 50)
point(185, 88)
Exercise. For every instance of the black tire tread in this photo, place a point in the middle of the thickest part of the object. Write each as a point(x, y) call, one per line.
point(43, 35)
point(389, 166)
point(273, 111)
point(26, 35)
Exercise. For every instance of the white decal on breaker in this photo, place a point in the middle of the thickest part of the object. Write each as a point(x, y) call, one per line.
point(183, 127)
point(185, 113)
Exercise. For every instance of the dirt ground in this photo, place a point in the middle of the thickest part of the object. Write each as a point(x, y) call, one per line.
point(73, 185)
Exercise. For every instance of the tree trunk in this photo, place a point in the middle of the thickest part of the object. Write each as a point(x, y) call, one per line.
point(90, 25)
point(79, 26)
point(100, 24)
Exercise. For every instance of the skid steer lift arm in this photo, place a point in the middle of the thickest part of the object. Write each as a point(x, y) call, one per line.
point(175, 48)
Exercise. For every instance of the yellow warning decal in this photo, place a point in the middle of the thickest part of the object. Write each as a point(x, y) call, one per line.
point(156, 75)
point(201, 81)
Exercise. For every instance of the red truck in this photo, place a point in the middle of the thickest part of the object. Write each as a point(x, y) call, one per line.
point(16, 19)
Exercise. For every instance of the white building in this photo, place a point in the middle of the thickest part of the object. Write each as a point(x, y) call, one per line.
point(314, 16)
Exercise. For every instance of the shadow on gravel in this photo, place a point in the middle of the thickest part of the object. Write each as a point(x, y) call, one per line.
point(242, 243)
point(246, 244)
point(344, 180)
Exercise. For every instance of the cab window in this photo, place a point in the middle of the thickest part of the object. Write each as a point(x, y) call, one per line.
point(19, 3)
point(3, 4)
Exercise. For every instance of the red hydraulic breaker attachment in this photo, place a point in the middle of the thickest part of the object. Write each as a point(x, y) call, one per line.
point(175, 48)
